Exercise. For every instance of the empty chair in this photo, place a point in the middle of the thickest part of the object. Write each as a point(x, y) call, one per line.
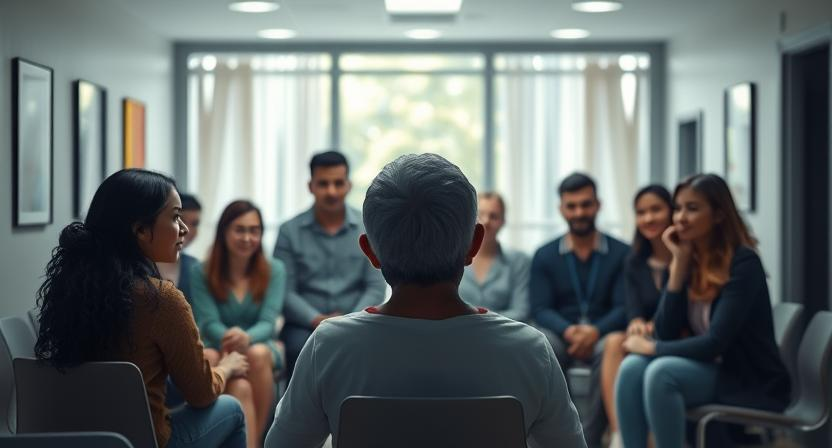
point(95, 396)
point(73, 439)
point(788, 327)
point(809, 411)
point(35, 321)
point(17, 339)
point(483, 422)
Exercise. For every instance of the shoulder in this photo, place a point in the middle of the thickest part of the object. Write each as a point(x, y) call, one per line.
point(516, 257)
point(276, 266)
point(170, 301)
point(548, 249)
point(747, 260)
point(617, 246)
point(296, 221)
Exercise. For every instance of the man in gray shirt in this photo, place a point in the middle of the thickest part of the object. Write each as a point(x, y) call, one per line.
point(327, 273)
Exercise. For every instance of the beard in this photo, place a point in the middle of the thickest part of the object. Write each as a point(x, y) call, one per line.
point(582, 227)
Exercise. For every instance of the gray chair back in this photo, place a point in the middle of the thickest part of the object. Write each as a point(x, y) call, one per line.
point(69, 439)
point(17, 339)
point(483, 422)
point(813, 365)
point(95, 396)
point(34, 319)
point(788, 327)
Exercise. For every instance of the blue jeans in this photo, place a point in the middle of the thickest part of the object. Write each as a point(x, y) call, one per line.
point(221, 424)
point(652, 394)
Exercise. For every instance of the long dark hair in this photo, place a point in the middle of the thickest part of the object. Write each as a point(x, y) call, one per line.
point(86, 301)
point(217, 270)
point(711, 269)
point(641, 248)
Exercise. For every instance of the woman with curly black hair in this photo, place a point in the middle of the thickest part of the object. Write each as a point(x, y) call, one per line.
point(103, 300)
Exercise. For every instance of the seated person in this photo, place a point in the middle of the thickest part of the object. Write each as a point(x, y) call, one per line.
point(576, 291)
point(420, 215)
point(328, 275)
point(103, 300)
point(498, 279)
point(645, 273)
point(237, 296)
point(714, 332)
point(179, 273)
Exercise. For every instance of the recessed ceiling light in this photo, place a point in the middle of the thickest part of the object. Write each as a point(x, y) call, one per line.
point(253, 6)
point(569, 33)
point(423, 6)
point(596, 5)
point(277, 33)
point(422, 34)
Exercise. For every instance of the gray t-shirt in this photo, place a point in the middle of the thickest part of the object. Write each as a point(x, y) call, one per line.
point(372, 354)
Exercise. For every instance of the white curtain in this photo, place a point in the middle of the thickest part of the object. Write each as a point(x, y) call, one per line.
point(563, 113)
point(254, 127)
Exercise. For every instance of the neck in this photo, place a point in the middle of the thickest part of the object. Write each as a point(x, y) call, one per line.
point(489, 248)
point(433, 302)
point(583, 242)
point(328, 218)
point(660, 251)
point(237, 267)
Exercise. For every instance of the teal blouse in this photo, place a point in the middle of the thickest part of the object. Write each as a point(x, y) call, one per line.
point(258, 320)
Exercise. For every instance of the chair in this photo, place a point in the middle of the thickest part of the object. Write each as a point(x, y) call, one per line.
point(16, 340)
point(483, 422)
point(33, 318)
point(811, 408)
point(72, 439)
point(788, 327)
point(95, 396)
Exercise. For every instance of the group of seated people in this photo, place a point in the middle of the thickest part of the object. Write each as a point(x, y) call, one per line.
point(680, 319)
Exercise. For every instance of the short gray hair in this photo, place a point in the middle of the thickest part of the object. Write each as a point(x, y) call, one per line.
point(419, 213)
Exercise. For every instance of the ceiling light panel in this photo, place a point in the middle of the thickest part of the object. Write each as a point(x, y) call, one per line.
point(595, 6)
point(569, 33)
point(423, 6)
point(253, 6)
point(277, 33)
point(423, 34)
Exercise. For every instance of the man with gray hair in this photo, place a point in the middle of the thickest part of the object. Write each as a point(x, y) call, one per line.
point(420, 218)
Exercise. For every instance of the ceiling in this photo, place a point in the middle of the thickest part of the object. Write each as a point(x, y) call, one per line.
point(480, 20)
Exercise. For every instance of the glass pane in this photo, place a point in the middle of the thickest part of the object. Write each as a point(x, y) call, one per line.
point(411, 62)
point(569, 62)
point(385, 116)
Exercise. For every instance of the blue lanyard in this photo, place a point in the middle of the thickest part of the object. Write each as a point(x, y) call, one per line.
point(583, 300)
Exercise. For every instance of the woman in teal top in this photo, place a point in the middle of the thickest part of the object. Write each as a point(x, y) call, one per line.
point(237, 297)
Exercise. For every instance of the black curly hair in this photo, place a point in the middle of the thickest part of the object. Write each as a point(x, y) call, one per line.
point(86, 301)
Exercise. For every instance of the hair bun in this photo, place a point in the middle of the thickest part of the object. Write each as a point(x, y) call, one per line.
point(75, 236)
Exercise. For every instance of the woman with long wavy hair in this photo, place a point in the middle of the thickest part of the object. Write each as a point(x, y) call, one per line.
point(238, 295)
point(714, 336)
point(103, 300)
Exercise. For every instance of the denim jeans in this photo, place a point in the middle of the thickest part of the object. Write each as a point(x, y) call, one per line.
point(219, 425)
point(652, 394)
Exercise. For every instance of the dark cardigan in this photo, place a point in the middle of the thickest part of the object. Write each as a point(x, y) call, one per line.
point(740, 337)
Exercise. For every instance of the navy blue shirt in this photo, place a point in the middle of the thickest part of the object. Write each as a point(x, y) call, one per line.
point(555, 303)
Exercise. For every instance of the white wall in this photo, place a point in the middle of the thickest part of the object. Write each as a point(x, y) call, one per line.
point(96, 41)
point(740, 44)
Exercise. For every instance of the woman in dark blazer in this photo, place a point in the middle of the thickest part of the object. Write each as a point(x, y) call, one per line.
point(714, 336)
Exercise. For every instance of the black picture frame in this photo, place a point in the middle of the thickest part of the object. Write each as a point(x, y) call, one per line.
point(32, 143)
point(90, 138)
point(741, 144)
point(690, 134)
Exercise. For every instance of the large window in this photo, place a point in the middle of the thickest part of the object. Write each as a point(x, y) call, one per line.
point(399, 104)
point(255, 119)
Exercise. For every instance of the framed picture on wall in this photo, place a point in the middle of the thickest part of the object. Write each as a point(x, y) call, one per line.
point(740, 144)
point(690, 144)
point(32, 136)
point(90, 142)
point(134, 133)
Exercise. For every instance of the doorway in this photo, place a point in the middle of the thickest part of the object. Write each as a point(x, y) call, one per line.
point(806, 184)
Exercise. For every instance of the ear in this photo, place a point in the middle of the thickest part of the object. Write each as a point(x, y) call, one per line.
point(309, 186)
point(598, 203)
point(349, 186)
point(476, 243)
point(142, 233)
point(364, 243)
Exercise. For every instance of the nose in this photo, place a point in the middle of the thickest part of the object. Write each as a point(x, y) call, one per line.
point(183, 229)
